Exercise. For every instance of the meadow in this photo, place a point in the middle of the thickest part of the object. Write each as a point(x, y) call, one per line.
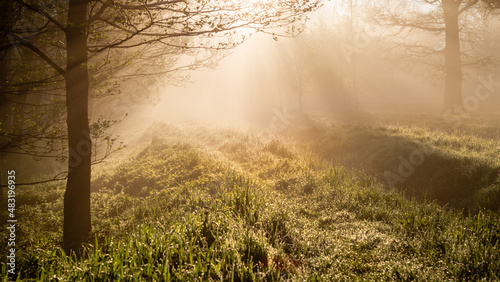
point(322, 200)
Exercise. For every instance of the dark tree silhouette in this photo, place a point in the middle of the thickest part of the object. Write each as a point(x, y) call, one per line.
point(77, 197)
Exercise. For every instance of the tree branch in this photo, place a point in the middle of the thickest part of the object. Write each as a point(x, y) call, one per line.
point(468, 6)
point(39, 53)
point(43, 13)
point(40, 182)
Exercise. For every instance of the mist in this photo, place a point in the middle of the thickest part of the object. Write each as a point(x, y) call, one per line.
point(322, 70)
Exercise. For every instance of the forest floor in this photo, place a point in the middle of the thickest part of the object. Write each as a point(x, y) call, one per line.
point(386, 198)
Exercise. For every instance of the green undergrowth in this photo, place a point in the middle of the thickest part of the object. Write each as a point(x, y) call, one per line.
point(202, 204)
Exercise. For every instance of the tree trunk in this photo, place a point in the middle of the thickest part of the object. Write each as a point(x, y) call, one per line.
point(453, 64)
point(77, 197)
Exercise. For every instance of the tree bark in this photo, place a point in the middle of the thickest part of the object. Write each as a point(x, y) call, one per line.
point(453, 64)
point(77, 224)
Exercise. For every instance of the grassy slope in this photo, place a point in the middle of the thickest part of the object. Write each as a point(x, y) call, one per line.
point(460, 168)
point(200, 204)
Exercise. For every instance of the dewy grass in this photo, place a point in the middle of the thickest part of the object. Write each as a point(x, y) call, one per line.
point(215, 204)
point(451, 167)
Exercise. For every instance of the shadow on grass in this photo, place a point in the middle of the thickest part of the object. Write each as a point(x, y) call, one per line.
point(412, 160)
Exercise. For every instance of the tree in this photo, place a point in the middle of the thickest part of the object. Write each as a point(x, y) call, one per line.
point(452, 54)
point(438, 16)
point(90, 29)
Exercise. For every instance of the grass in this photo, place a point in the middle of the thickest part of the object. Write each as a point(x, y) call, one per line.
point(458, 168)
point(200, 204)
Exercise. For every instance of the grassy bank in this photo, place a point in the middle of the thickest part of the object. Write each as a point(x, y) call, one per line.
point(459, 167)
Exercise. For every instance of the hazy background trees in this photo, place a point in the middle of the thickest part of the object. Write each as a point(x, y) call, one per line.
point(389, 58)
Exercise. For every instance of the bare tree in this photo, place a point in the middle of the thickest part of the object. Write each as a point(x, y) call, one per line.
point(438, 17)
